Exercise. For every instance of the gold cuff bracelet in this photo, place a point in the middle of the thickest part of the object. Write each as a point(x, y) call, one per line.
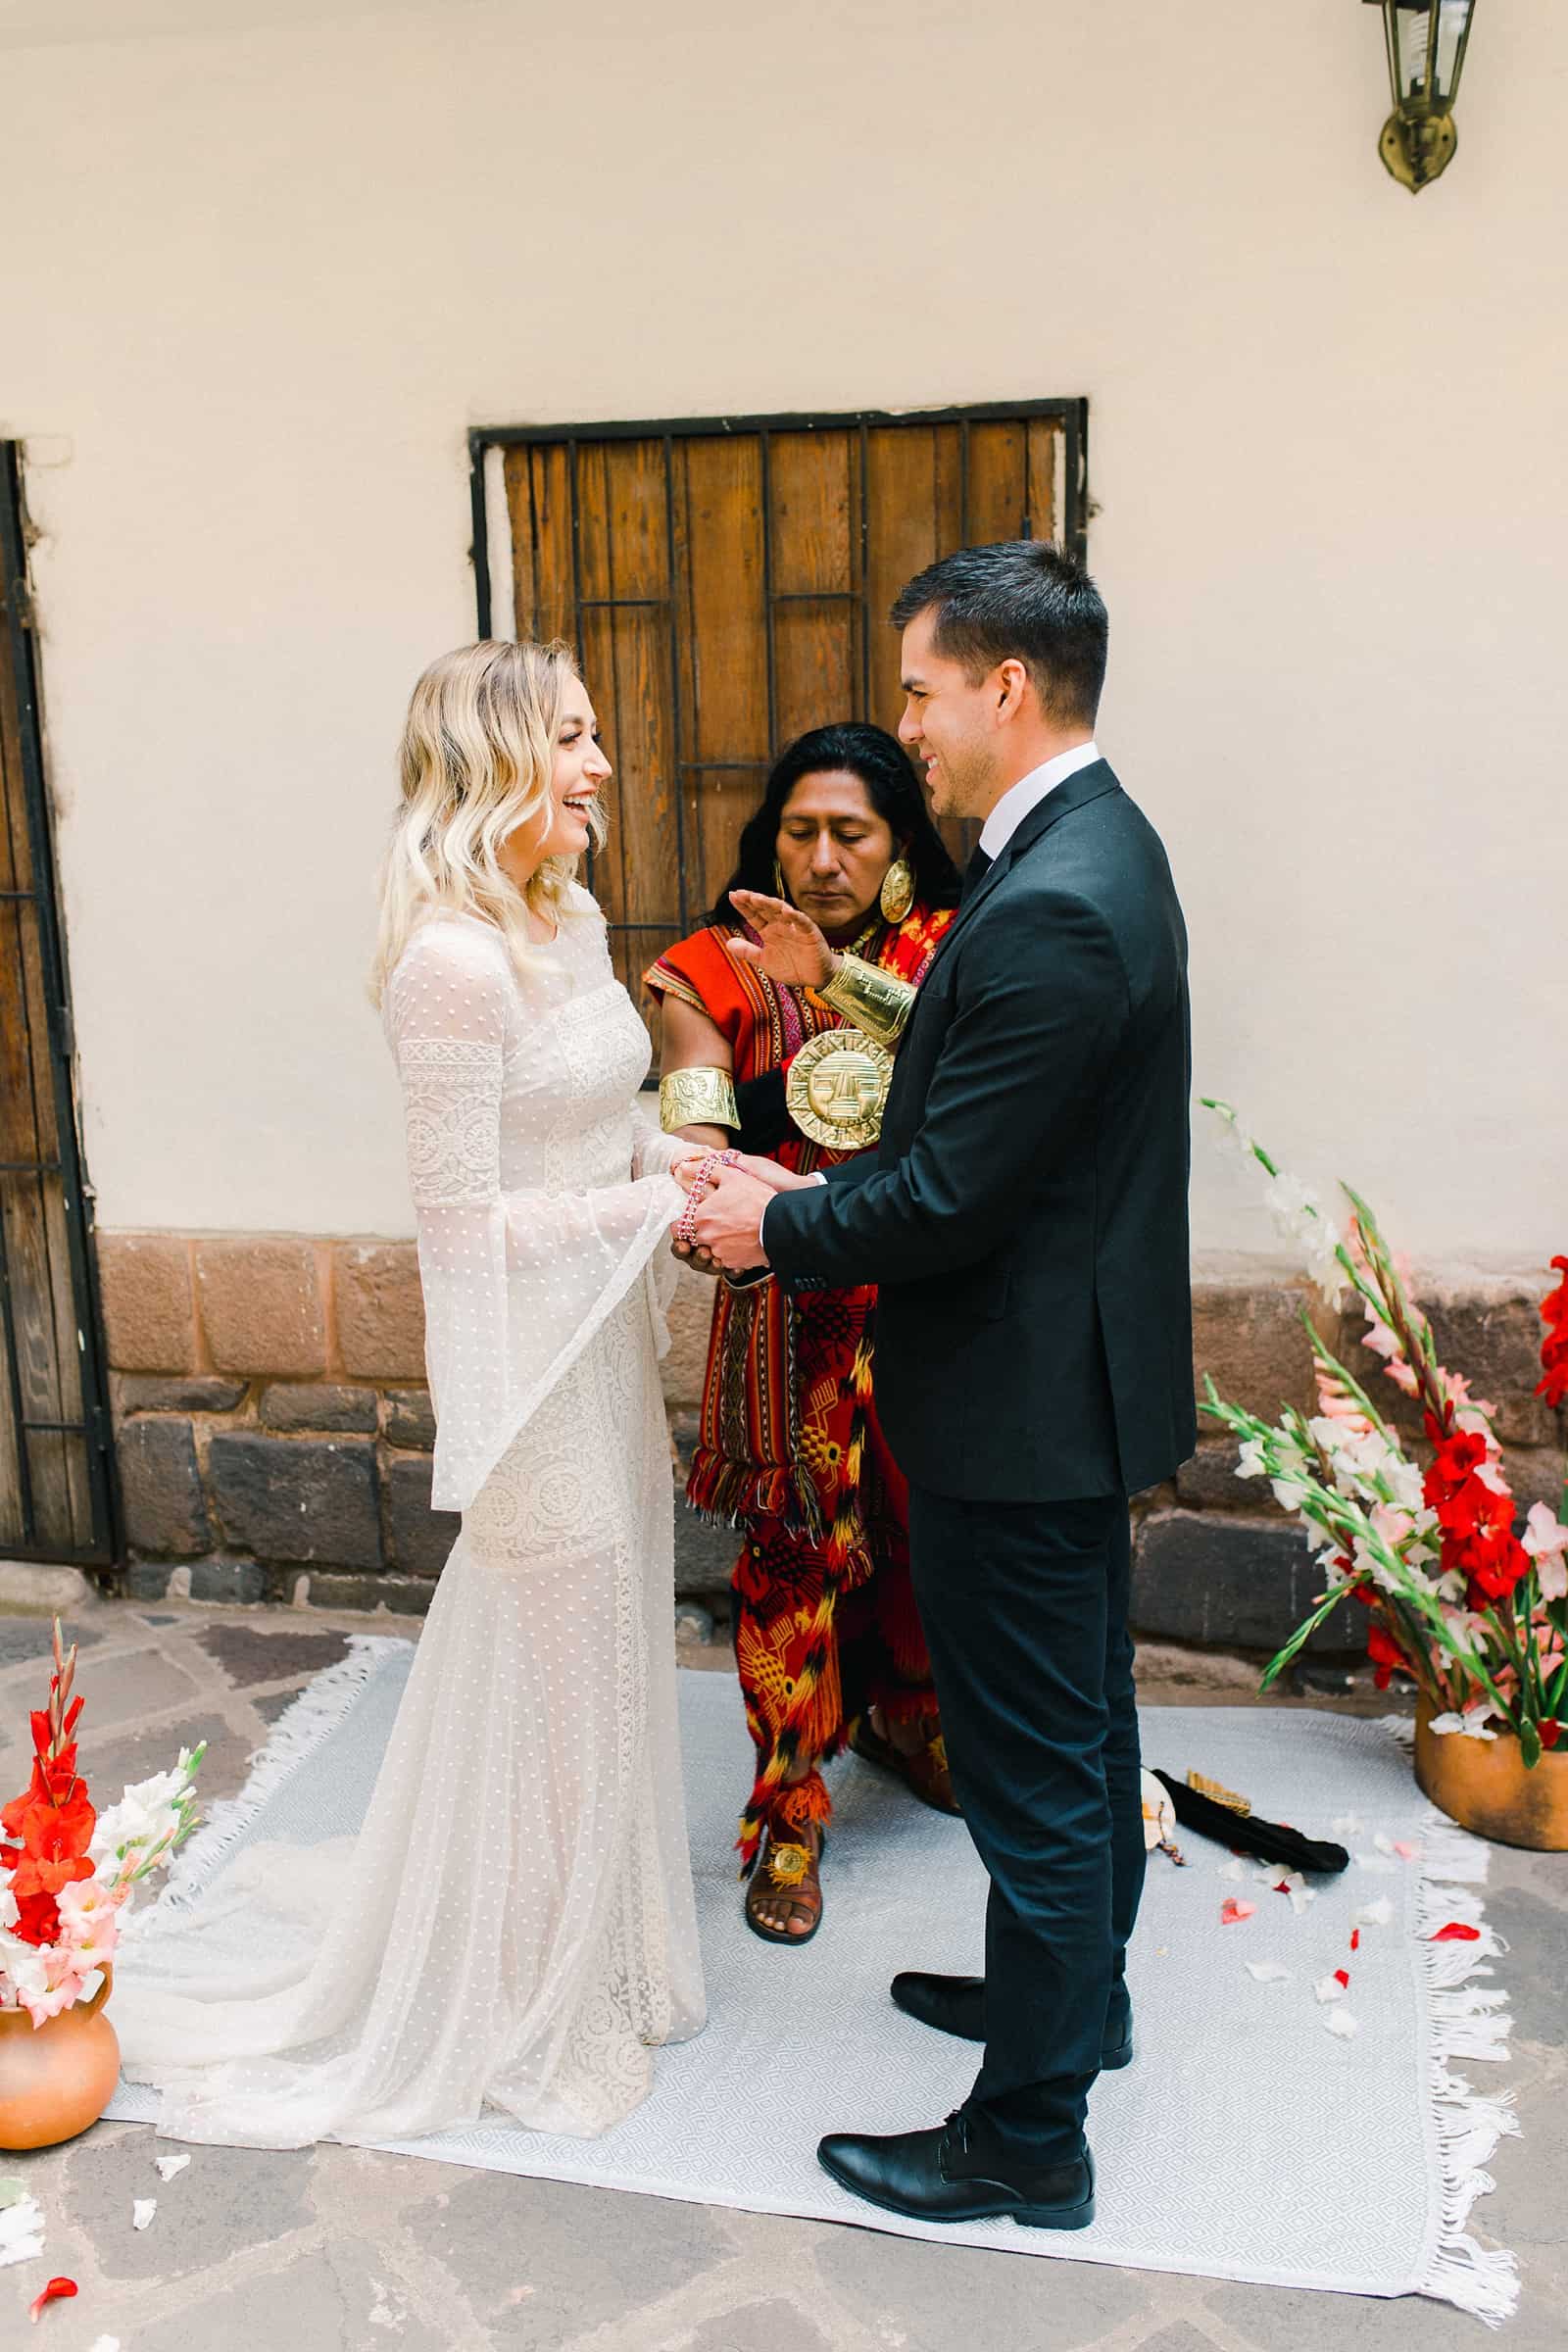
point(698, 1097)
point(876, 1002)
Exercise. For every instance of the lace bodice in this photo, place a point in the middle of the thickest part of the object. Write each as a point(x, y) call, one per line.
point(531, 1179)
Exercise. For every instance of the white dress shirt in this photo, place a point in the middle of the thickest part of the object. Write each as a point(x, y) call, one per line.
point(1028, 793)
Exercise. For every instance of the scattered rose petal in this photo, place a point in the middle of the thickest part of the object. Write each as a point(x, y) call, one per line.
point(55, 2292)
point(142, 2211)
point(1296, 1886)
point(1267, 1972)
point(1340, 2022)
point(1347, 1825)
point(105, 2343)
point(1376, 1914)
point(12, 2191)
point(1355, 1939)
point(1232, 1869)
point(170, 2166)
point(1384, 1845)
point(1230, 1911)
point(1455, 1932)
point(1406, 1854)
point(1329, 1988)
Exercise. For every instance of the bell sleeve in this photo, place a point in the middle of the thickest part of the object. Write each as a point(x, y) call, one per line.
point(516, 1282)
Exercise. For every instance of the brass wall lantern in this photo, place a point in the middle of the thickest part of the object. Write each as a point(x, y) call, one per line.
point(1426, 43)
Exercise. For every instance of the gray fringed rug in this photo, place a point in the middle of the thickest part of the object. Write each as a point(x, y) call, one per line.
point(1276, 2127)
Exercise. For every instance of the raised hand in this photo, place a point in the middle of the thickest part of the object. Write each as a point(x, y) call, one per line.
point(788, 947)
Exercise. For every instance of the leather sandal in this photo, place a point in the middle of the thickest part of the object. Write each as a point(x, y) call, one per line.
point(923, 1769)
point(785, 1876)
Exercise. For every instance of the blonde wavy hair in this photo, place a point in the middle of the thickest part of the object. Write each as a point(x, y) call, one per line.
point(476, 762)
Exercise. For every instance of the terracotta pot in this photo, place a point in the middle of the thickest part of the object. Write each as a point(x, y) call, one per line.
point(58, 2077)
point(1483, 1786)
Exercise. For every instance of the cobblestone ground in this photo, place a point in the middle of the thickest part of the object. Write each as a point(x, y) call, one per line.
point(336, 2248)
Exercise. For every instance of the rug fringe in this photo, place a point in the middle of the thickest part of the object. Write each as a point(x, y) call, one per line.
point(317, 1711)
point(1466, 2018)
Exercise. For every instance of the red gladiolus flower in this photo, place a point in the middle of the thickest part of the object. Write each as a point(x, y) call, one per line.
point(54, 1843)
point(37, 1919)
point(1475, 1520)
point(1384, 1653)
point(1494, 1564)
point(1554, 1346)
point(1551, 1733)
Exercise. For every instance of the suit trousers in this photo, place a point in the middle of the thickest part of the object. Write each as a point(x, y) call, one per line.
point(1024, 1606)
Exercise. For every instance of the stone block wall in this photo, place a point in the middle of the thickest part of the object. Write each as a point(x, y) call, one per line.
point(274, 1431)
point(272, 1425)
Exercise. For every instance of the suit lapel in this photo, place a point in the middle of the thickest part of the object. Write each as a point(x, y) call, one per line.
point(1073, 792)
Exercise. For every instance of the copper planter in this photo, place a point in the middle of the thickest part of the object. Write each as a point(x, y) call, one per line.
point(58, 2077)
point(1483, 1785)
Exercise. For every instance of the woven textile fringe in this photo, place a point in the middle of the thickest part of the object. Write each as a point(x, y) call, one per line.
point(1466, 2019)
point(314, 1715)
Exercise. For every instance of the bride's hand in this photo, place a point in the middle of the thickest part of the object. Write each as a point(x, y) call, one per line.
point(788, 948)
point(685, 1171)
point(768, 1172)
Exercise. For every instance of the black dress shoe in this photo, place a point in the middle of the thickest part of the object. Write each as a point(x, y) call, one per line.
point(957, 2005)
point(940, 2176)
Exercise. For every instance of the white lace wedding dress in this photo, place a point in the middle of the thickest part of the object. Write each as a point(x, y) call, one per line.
point(512, 1923)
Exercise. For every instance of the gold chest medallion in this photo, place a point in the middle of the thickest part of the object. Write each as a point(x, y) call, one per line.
point(838, 1088)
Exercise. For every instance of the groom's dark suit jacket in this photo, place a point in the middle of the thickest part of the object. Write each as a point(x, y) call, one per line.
point(1025, 1213)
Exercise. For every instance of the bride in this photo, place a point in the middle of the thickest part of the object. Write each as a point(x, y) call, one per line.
point(512, 1923)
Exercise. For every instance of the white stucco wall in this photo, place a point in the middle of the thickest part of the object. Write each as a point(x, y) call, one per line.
point(256, 283)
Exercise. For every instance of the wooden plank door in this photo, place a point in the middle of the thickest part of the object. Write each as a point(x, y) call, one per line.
point(54, 1480)
point(726, 585)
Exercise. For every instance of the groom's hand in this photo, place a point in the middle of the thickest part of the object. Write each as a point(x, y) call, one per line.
point(730, 1220)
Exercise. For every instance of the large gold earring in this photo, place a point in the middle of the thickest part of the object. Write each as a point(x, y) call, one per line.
point(779, 891)
point(897, 891)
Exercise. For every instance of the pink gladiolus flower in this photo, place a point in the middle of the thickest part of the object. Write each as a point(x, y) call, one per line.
point(1378, 1337)
point(61, 1991)
point(1400, 1372)
point(86, 1907)
point(1456, 1389)
point(1546, 1540)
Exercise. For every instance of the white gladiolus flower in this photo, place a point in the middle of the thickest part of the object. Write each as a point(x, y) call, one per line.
point(25, 1967)
point(1471, 1725)
point(1293, 1206)
point(1249, 1459)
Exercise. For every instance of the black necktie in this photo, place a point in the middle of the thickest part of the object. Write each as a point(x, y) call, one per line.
point(974, 873)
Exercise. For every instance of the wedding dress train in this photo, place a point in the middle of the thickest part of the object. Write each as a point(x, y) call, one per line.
point(512, 1923)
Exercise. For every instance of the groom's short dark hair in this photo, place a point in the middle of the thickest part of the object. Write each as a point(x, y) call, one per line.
point(1022, 600)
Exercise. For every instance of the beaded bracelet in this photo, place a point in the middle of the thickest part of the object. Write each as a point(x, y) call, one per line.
point(686, 1222)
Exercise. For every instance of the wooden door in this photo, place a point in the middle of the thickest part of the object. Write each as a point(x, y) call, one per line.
point(55, 1491)
point(727, 583)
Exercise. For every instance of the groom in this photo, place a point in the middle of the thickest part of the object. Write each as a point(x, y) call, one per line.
point(1025, 1218)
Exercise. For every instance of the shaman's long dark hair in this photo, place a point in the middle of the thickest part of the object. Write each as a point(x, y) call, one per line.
point(892, 787)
